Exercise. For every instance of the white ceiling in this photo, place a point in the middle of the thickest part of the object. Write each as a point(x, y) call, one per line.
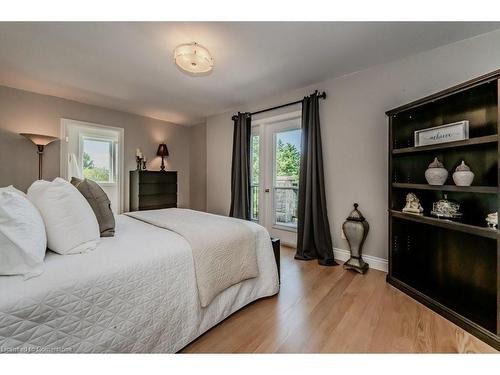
point(129, 66)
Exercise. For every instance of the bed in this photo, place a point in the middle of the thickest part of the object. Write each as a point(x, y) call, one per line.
point(135, 293)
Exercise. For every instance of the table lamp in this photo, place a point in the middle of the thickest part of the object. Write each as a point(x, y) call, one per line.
point(163, 152)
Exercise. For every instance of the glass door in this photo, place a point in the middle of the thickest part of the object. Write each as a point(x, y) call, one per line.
point(286, 165)
point(276, 145)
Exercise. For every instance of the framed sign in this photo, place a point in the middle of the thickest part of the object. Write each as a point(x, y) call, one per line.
point(456, 131)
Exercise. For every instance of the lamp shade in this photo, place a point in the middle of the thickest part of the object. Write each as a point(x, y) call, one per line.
point(39, 139)
point(162, 150)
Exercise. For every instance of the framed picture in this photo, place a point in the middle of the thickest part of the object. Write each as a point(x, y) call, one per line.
point(456, 131)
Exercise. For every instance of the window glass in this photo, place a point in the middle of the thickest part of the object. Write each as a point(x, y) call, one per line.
point(255, 176)
point(286, 176)
point(98, 160)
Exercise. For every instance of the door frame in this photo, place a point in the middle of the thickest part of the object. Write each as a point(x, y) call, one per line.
point(121, 147)
point(266, 178)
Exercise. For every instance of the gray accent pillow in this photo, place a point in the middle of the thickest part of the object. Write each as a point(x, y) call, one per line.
point(100, 204)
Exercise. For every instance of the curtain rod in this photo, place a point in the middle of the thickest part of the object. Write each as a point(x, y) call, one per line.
point(320, 96)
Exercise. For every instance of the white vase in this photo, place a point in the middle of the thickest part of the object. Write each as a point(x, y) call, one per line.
point(436, 176)
point(463, 176)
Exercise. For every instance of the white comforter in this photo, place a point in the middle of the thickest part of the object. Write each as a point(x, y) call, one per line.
point(223, 248)
point(135, 293)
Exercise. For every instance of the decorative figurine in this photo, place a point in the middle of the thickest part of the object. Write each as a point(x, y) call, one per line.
point(492, 220)
point(436, 174)
point(356, 229)
point(138, 158)
point(413, 205)
point(463, 175)
point(446, 209)
point(144, 164)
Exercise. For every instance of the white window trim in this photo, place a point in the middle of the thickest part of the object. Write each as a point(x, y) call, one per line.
point(279, 118)
point(63, 152)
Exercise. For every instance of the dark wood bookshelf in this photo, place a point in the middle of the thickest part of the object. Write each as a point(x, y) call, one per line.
point(451, 266)
point(447, 224)
point(468, 142)
point(465, 189)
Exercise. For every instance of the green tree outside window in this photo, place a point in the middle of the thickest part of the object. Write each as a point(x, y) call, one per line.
point(90, 171)
point(288, 159)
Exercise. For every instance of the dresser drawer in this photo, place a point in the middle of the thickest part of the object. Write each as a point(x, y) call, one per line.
point(157, 200)
point(155, 189)
point(157, 207)
point(158, 178)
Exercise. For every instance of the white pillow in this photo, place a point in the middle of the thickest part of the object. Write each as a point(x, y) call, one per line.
point(23, 241)
point(70, 223)
point(14, 190)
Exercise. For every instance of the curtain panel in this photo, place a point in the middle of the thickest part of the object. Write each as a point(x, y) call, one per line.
point(314, 239)
point(240, 167)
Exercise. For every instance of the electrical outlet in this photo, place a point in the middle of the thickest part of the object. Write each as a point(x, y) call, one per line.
point(342, 234)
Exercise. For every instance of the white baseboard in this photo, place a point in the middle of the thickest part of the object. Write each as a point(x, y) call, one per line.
point(374, 262)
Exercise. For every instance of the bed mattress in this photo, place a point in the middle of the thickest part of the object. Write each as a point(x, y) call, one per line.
point(135, 293)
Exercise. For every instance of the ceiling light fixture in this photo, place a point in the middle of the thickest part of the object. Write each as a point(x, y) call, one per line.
point(193, 59)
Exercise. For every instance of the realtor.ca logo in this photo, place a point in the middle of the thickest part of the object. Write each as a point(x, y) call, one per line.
point(35, 349)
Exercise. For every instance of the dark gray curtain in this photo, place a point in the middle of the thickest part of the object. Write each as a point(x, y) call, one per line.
point(240, 168)
point(314, 240)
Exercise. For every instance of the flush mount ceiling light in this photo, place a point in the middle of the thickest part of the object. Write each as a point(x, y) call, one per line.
point(193, 59)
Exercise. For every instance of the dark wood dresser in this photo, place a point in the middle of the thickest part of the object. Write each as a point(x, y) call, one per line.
point(151, 190)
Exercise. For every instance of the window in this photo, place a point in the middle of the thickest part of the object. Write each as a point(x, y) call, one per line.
point(99, 159)
point(95, 152)
point(286, 176)
point(255, 176)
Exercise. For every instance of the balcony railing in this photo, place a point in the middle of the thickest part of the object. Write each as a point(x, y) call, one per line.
point(285, 205)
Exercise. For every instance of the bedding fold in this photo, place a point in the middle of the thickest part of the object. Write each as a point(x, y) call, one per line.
point(224, 249)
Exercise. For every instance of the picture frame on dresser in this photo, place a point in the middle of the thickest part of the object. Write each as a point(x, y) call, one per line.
point(451, 266)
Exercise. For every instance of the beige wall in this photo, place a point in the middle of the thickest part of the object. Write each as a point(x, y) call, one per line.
point(354, 129)
point(198, 167)
point(23, 111)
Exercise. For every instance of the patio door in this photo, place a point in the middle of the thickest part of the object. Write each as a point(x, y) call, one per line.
point(275, 175)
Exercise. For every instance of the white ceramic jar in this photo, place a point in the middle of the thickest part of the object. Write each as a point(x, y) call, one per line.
point(463, 176)
point(436, 174)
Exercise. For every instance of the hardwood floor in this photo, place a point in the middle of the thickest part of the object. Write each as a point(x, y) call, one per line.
point(329, 310)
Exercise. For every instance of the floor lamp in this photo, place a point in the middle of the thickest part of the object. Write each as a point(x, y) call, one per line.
point(40, 142)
